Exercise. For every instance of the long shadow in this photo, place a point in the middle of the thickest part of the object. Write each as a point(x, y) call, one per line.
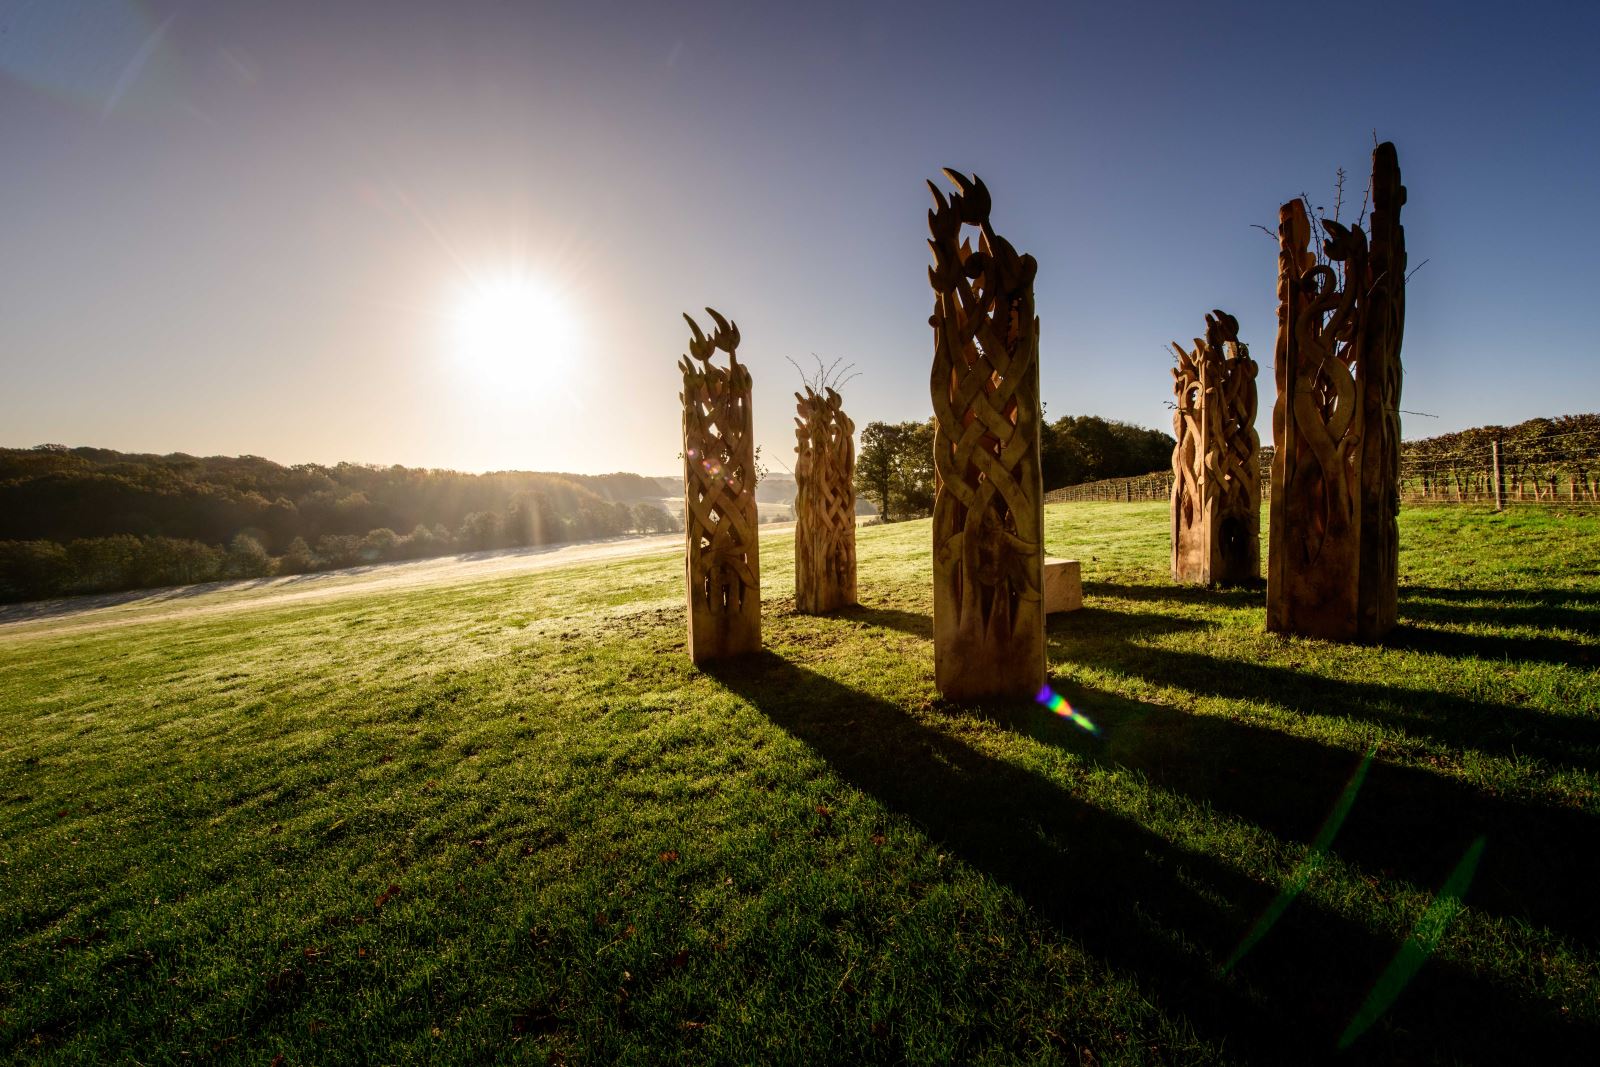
point(1409, 822)
point(1179, 594)
point(1165, 914)
point(909, 622)
point(1500, 647)
point(1492, 727)
point(1422, 604)
point(1422, 822)
point(1551, 608)
point(1536, 598)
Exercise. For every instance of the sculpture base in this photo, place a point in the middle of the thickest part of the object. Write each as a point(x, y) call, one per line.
point(719, 635)
point(975, 663)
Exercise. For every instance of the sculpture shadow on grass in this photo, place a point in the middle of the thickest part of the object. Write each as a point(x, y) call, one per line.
point(1106, 639)
point(1408, 822)
point(910, 622)
point(1423, 609)
point(1557, 601)
point(1550, 609)
point(1253, 596)
point(1497, 647)
point(1138, 902)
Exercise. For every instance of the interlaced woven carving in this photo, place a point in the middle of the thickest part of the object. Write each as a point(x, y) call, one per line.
point(719, 504)
point(988, 548)
point(1335, 472)
point(1216, 492)
point(824, 503)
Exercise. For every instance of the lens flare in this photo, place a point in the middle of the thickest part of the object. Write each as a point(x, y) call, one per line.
point(1418, 947)
point(1057, 703)
point(1306, 867)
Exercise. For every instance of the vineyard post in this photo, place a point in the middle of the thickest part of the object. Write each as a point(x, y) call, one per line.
point(1499, 486)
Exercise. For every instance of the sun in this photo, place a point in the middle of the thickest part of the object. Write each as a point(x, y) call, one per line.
point(513, 331)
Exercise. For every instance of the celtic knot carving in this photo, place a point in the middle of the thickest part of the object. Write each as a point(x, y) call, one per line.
point(825, 503)
point(1216, 492)
point(719, 506)
point(988, 549)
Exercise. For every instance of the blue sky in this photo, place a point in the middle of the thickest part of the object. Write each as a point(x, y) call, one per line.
point(244, 228)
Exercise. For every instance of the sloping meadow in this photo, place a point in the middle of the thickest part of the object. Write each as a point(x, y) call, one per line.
point(508, 821)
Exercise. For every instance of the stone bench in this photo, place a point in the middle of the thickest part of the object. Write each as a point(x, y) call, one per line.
point(1063, 585)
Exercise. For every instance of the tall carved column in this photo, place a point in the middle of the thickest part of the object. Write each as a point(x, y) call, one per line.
point(988, 515)
point(1216, 490)
point(1382, 325)
point(824, 503)
point(1333, 544)
point(721, 560)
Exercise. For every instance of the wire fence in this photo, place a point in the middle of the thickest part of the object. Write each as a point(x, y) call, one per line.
point(1563, 470)
point(1157, 486)
point(1546, 472)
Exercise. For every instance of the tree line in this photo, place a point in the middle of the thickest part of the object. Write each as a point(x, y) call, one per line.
point(88, 520)
point(894, 464)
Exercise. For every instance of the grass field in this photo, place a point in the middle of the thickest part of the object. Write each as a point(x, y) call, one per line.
point(508, 821)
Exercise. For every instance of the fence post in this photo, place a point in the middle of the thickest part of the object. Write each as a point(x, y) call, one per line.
point(1499, 486)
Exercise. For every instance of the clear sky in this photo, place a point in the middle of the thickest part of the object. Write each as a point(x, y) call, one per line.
point(253, 227)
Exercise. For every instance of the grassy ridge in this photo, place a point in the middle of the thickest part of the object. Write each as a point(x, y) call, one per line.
point(508, 820)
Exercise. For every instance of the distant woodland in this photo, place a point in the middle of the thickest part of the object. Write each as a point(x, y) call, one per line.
point(84, 520)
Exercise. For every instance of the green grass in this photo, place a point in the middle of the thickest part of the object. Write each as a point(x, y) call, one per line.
point(508, 821)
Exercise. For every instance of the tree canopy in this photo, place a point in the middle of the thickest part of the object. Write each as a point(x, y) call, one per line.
point(894, 465)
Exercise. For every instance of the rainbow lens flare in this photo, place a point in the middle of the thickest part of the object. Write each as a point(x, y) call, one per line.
point(1057, 703)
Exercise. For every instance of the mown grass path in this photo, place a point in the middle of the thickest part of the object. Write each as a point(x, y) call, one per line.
point(507, 820)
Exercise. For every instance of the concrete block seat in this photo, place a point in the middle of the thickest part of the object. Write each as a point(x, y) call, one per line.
point(1063, 585)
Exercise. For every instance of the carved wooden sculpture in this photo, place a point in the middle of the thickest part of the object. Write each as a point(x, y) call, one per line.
point(1216, 490)
point(1333, 545)
point(988, 517)
point(719, 504)
point(824, 504)
point(1382, 325)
